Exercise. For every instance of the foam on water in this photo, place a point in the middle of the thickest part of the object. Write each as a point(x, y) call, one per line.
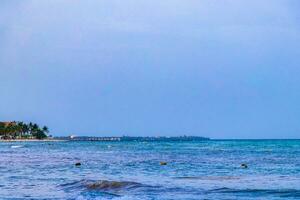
point(16, 146)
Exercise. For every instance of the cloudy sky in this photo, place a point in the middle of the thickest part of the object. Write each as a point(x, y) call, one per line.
point(216, 68)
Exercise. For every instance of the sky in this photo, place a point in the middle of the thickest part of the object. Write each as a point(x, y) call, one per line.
point(216, 68)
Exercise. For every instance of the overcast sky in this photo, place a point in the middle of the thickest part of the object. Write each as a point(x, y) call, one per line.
point(215, 68)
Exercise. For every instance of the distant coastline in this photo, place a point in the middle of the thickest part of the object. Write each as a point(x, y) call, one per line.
point(13, 131)
point(110, 139)
point(132, 138)
point(31, 140)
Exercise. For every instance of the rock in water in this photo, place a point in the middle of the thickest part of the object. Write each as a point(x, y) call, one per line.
point(112, 185)
point(245, 166)
point(77, 164)
point(163, 163)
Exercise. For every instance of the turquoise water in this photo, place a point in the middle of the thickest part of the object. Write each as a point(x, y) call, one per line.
point(132, 170)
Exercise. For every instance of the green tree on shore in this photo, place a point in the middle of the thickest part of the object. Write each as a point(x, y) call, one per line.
point(14, 130)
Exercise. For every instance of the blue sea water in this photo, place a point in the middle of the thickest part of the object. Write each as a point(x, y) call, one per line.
point(132, 170)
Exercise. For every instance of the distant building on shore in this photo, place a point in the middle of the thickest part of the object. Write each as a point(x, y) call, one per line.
point(72, 136)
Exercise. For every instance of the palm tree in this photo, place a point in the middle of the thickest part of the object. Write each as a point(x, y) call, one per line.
point(35, 126)
point(34, 130)
point(20, 128)
point(45, 129)
point(25, 128)
point(40, 134)
point(30, 125)
point(2, 129)
point(11, 130)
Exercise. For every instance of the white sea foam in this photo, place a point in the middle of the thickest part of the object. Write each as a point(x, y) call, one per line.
point(16, 146)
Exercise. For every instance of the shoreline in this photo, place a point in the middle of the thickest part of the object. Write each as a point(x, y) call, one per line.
point(32, 140)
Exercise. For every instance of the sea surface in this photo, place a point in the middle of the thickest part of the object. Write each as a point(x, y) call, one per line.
point(132, 170)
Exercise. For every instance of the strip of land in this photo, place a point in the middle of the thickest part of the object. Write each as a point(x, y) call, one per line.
point(32, 140)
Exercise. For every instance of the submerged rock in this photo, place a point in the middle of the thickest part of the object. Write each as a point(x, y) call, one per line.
point(243, 165)
point(111, 185)
point(163, 163)
point(102, 185)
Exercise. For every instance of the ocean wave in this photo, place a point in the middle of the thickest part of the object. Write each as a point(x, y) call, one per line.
point(211, 178)
point(293, 193)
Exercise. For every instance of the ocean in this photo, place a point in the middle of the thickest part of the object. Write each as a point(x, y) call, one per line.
point(132, 170)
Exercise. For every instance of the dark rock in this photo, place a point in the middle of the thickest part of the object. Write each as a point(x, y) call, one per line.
point(108, 185)
point(245, 166)
point(163, 163)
